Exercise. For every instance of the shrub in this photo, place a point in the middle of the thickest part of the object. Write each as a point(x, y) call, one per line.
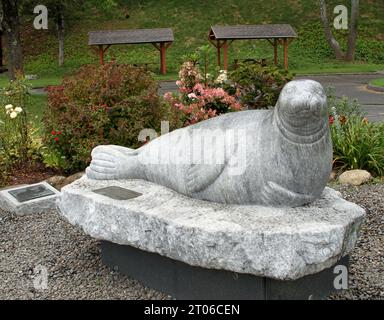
point(107, 104)
point(258, 86)
point(198, 99)
point(358, 144)
point(14, 127)
point(342, 107)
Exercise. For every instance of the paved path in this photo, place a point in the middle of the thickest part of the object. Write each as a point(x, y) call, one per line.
point(355, 87)
point(352, 86)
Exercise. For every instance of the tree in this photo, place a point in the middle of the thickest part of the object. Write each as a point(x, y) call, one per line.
point(61, 11)
point(11, 27)
point(349, 55)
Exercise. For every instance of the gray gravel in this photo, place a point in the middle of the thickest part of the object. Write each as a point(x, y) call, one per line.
point(366, 279)
point(72, 260)
point(75, 270)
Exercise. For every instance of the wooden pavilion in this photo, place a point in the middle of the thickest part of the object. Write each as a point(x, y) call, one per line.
point(275, 34)
point(161, 39)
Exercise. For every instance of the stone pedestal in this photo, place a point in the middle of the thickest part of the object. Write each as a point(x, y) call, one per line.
point(29, 199)
point(185, 282)
point(273, 252)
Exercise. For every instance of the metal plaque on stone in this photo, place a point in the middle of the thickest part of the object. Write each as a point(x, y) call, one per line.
point(118, 193)
point(30, 193)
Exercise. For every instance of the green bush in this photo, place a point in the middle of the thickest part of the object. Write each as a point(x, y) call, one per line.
point(343, 107)
point(107, 104)
point(258, 86)
point(19, 141)
point(358, 144)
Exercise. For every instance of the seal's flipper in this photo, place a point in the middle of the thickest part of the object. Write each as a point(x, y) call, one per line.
point(272, 193)
point(200, 176)
point(127, 151)
point(112, 163)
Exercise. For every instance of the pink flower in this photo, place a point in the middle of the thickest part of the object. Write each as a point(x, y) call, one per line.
point(168, 96)
point(192, 96)
point(199, 88)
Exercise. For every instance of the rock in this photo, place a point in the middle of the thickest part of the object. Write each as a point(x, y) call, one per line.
point(56, 181)
point(71, 179)
point(280, 243)
point(355, 177)
point(332, 176)
point(10, 203)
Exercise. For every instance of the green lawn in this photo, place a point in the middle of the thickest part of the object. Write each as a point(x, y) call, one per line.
point(191, 23)
point(37, 105)
point(42, 82)
point(378, 82)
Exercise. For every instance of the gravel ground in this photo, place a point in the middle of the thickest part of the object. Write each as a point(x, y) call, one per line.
point(72, 260)
point(366, 279)
point(75, 271)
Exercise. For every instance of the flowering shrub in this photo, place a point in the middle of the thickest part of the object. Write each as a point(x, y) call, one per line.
point(15, 140)
point(358, 144)
point(258, 86)
point(199, 100)
point(107, 104)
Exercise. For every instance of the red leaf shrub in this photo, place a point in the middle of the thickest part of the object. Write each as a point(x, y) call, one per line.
point(107, 104)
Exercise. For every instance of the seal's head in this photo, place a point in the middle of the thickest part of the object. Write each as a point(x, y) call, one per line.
point(302, 110)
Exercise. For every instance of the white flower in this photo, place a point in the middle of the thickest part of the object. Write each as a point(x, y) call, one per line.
point(18, 109)
point(192, 96)
point(222, 78)
point(13, 115)
point(8, 107)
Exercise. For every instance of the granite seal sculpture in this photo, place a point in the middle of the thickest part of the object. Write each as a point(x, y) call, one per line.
point(279, 157)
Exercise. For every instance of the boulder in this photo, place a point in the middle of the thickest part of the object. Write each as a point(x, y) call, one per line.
point(355, 177)
point(72, 178)
point(56, 181)
point(280, 243)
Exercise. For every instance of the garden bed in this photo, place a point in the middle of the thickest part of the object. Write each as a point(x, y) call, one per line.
point(75, 270)
point(29, 174)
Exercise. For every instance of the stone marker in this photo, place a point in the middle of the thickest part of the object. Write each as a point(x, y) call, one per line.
point(279, 243)
point(29, 199)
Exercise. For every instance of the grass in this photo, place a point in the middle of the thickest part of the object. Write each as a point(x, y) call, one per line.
point(37, 105)
point(191, 22)
point(378, 82)
point(42, 82)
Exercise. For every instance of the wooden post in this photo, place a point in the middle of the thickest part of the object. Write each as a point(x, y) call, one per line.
point(275, 43)
point(225, 46)
point(101, 52)
point(218, 53)
point(285, 53)
point(163, 66)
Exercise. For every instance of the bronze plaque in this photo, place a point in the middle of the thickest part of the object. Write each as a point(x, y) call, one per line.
point(118, 193)
point(30, 193)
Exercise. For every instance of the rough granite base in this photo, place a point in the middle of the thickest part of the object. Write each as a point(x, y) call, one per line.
point(277, 243)
point(10, 204)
